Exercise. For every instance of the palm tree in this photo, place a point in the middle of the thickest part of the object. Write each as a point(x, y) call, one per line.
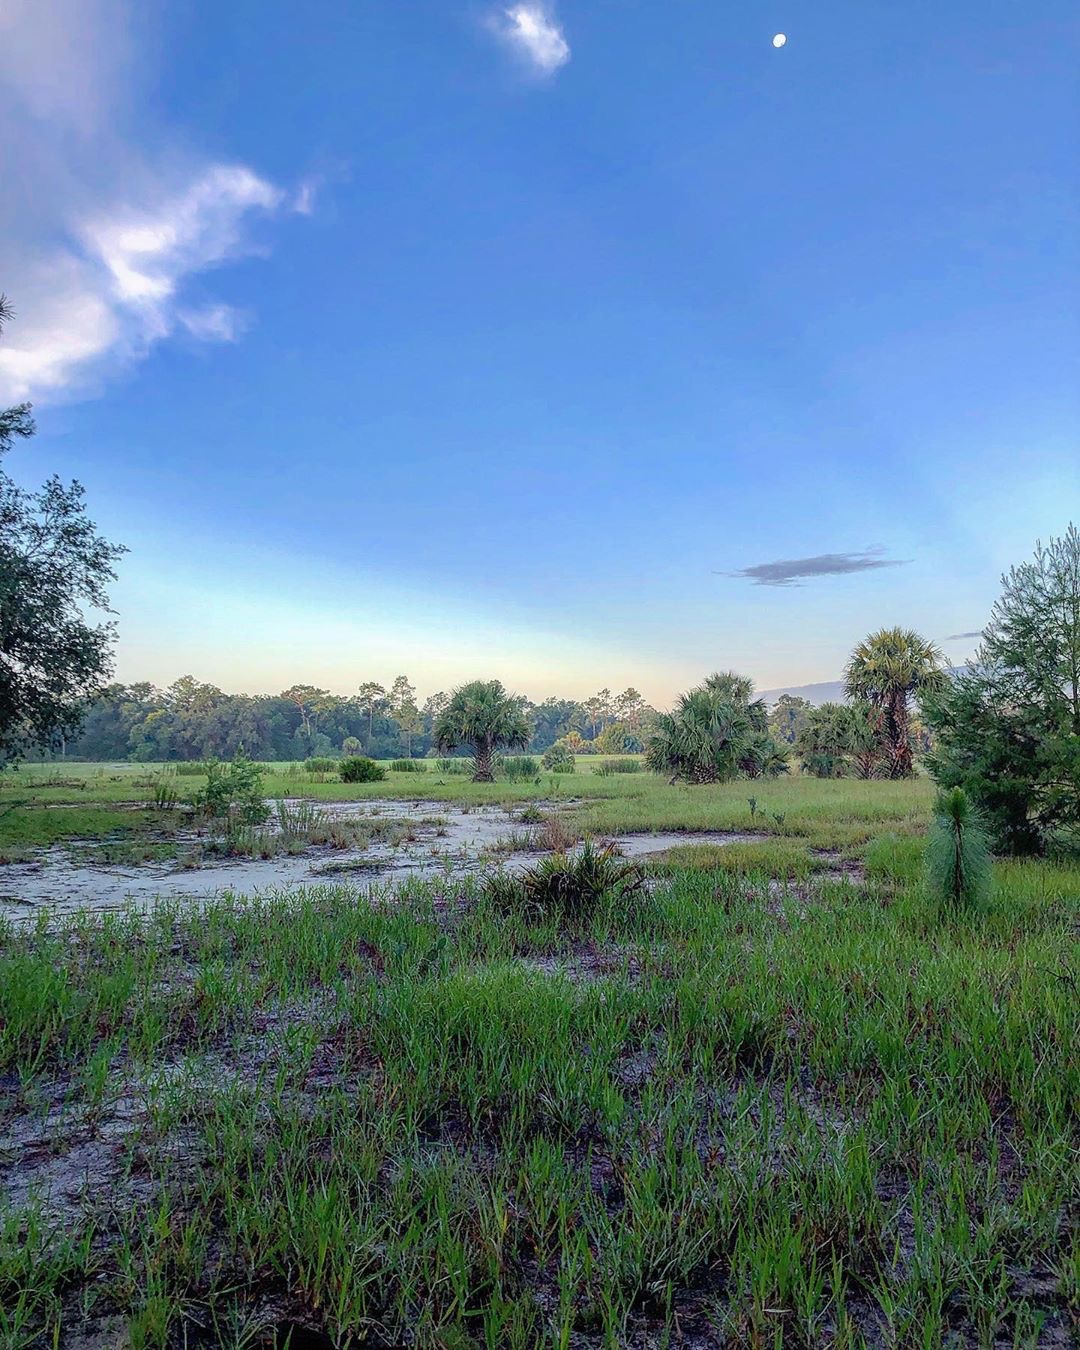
point(885, 669)
point(705, 738)
point(482, 715)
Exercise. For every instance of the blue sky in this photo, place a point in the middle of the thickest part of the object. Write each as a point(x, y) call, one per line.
point(475, 339)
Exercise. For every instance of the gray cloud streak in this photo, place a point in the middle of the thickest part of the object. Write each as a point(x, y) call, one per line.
point(960, 637)
point(790, 571)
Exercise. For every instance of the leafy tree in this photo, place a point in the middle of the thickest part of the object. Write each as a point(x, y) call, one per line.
point(53, 564)
point(716, 732)
point(630, 708)
point(788, 717)
point(484, 716)
point(1008, 727)
point(372, 696)
point(552, 719)
point(618, 738)
point(886, 669)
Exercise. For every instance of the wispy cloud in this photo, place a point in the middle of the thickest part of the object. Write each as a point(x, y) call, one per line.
point(793, 571)
point(102, 239)
point(961, 637)
point(531, 31)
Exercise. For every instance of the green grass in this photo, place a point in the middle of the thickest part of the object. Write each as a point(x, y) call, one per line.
point(806, 1114)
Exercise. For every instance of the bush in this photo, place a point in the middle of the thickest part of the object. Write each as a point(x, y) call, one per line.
point(610, 766)
point(957, 854)
point(360, 769)
point(518, 768)
point(559, 759)
point(567, 887)
point(409, 766)
point(319, 765)
point(233, 794)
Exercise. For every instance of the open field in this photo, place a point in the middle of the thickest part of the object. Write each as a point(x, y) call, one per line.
point(776, 1098)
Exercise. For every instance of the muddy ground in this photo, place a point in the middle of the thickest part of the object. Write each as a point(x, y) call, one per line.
point(436, 839)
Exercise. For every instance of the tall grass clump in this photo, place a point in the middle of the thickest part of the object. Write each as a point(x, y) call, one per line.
point(449, 766)
point(518, 768)
point(408, 766)
point(360, 769)
point(320, 764)
point(610, 766)
point(957, 854)
point(567, 887)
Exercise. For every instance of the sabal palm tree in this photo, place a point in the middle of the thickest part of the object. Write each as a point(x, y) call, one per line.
point(484, 716)
point(886, 669)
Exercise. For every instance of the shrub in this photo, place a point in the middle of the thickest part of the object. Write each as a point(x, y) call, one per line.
point(957, 853)
point(567, 887)
point(360, 769)
point(559, 758)
point(610, 766)
point(409, 766)
point(233, 794)
point(320, 765)
point(518, 768)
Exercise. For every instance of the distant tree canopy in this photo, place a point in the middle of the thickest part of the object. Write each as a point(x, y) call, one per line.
point(715, 732)
point(191, 720)
point(53, 566)
point(1007, 728)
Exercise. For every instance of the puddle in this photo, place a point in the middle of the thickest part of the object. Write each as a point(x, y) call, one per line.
point(443, 840)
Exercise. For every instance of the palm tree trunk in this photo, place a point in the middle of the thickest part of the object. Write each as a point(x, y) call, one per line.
point(482, 763)
point(900, 747)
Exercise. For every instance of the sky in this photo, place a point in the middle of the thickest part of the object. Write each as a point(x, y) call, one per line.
point(582, 344)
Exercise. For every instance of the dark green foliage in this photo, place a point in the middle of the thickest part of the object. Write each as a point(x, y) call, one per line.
point(559, 758)
point(842, 740)
point(1007, 729)
point(54, 566)
point(957, 853)
point(360, 769)
point(567, 887)
point(233, 793)
point(612, 766)
point(716, 732)
point(320, 765)
point(518, 768)
point(409, 766)
point(485, 717)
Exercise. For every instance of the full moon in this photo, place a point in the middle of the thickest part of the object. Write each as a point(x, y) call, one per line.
point(779, 39)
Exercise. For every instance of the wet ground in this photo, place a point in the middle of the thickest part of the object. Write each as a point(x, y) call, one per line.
point(436, 839)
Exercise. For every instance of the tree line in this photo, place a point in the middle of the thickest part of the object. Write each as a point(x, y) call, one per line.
point(193, 720)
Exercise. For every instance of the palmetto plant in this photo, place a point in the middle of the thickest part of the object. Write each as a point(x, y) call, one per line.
point(704, 739)
point(483, 716)
point(886, 669)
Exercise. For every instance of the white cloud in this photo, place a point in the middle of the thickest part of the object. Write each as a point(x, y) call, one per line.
point(532, 32)
point(102, 297)
point(102, 238)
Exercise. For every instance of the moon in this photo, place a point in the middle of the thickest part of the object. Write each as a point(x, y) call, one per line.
point(779, 39)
